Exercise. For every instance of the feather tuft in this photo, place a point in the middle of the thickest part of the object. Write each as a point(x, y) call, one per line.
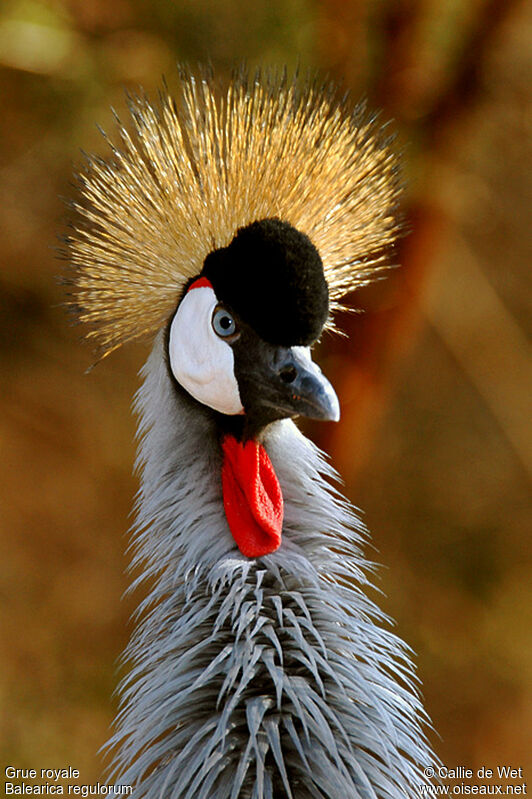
point(186, 173)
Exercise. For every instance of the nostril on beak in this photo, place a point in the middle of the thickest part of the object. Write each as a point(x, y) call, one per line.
point(288, 374)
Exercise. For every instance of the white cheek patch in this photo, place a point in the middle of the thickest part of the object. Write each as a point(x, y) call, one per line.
point(201, 361)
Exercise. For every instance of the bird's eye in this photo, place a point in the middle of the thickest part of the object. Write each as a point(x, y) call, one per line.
point(223, 323)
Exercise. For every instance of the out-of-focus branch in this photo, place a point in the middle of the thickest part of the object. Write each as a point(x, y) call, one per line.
point(455, 103)
point(380, 337)
point(393, 87)
point(485, 340)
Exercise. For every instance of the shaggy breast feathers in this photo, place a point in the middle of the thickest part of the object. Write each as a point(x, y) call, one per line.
point(267, 678)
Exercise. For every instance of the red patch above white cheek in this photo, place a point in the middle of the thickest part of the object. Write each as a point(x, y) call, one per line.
point(200, 360)
point(200, 282)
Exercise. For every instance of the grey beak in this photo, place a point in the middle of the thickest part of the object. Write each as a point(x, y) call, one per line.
point(278, 382)
point(303, 388)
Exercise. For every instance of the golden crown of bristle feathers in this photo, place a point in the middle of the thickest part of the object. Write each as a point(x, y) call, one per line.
point(192, 170)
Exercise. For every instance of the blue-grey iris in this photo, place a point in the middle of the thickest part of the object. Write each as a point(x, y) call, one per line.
point(223, 323)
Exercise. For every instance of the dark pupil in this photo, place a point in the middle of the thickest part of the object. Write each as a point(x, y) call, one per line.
point(225, 322)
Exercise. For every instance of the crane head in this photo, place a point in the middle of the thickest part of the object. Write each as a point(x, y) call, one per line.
point(241, 344)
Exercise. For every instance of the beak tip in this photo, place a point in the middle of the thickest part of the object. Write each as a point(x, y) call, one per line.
point(327, 407)
point(335, 410)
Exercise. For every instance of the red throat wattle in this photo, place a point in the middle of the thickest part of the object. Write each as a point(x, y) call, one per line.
point(253, 500)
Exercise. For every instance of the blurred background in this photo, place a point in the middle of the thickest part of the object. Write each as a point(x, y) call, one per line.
point(435, 442)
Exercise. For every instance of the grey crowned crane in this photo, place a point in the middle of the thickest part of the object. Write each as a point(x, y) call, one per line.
point(230, 224)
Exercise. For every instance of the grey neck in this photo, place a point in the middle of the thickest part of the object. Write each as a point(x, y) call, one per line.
point(255, 679)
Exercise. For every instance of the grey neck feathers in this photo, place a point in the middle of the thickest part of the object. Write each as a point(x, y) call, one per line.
point(255, 679)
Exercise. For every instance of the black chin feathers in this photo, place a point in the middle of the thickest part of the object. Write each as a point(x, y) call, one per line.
point(272, 276)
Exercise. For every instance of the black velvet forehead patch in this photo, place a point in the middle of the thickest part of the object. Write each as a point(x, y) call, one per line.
point(271, 275)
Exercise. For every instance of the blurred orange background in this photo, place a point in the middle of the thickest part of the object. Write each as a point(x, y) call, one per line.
point(435, 443)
